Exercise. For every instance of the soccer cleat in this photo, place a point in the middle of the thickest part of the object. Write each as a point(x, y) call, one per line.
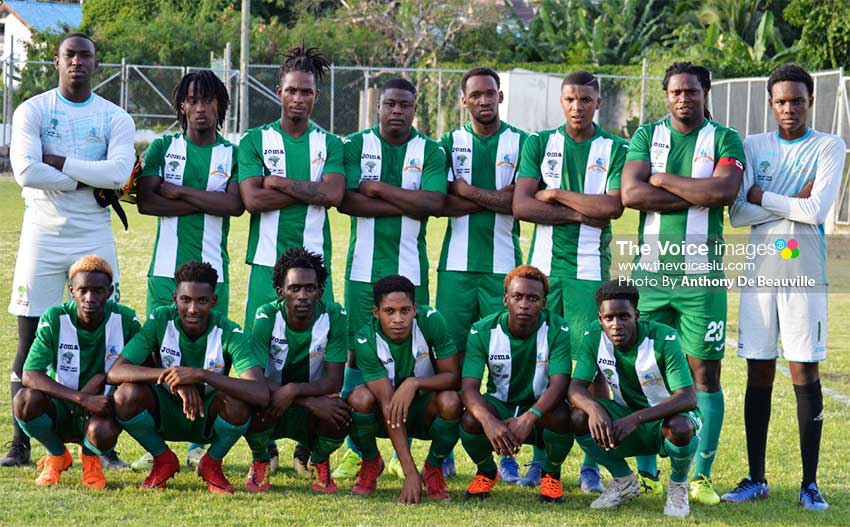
point(509, 469)
point(435, 483)
point(274, 458)
point(143, 464)
point(111, 461)
point(590, 480)
point(747, 490)
point(811, 498)
point(618, 491)
point(322, 480)
point(18, 455)
point(702, 491)
point(300, 462)
point(194, 455)
point(449, 469)
point(210, 471)
point(650, 484)
point(349, 466)
point(677, 499)
point(480, 486)
point(395, 468)
point(551, 490)
point(163, 468)
point(52, 468)
point(258, 477)
point(367, 479)
point(532, 475)
point(93, 477)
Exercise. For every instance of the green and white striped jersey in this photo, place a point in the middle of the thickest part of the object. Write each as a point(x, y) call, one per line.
point(196, 236)
point(641, 376)
point(693, 155)
point(268, 151)
point(518, 369)
point(594, 166)
point(484, 241)
point(392, 244)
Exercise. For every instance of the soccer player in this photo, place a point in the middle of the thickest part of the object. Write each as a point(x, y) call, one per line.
point(290, 173)
point(680, 172)
point(185, 395)
point(304, 341)
point(526, 351)
point(65, 143)
point(395, 179)
point(653, 410)
point(65, 397)
point(569, 187)
point(412, 374)
point(790, 184)
point(481, 243)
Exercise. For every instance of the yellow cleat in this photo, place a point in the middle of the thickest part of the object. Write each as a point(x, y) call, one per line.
point(702, 491)
point(650, 485)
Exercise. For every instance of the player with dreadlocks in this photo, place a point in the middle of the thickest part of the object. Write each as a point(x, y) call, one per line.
point(188, 181)
point(290, 173)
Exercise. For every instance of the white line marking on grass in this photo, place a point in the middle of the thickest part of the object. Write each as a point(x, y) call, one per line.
point(840, 397)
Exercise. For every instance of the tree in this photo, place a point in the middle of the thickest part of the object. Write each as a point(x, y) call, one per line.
point(825, 38)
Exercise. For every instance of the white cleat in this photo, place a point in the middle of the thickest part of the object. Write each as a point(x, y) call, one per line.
point(677, 499)
point(618, 491)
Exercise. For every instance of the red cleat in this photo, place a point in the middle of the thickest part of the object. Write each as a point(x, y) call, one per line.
point(210, 471)
point(165, 466)
point(367, 480)
point(258, 477)
point(435, 483)
point(322, 480)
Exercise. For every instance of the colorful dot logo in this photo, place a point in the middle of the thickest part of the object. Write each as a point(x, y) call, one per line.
point(788, 250)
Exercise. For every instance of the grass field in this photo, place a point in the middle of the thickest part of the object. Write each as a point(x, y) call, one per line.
point(187, 502)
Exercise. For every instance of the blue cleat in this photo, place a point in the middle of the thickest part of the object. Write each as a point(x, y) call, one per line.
point(811, 499)
point(449, 469)
point(590, 480)
point(532, 475)
point(748, 490)
point(509, 469)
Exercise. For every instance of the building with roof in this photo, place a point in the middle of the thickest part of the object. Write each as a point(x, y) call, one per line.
point(20, 18)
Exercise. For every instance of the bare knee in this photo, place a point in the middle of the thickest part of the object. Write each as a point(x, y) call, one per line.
point(29, 404)
point(361, 400)
point(131, 399)
point(233, 410)
point(470, 424)
point(558, 419)
point(678, 429)
point(449, 405)
point(578, 422)
point(102, 432)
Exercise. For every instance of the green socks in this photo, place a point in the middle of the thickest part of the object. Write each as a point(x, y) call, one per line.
point(647, 464)
point(41, 429)
point(325, 446)
point(712, 407)
point(225, 436)
point(615, 464)
point(91, 450)
point(364, 429)
point(537, 453)
point(557, 448)
point(444, 435)
point(680, 459)
point(479, 449)
point(142, 428)
point(258, 442)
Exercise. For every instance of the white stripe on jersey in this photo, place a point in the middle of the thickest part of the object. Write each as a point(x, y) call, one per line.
point(411, 179)
point(266, 253)
point(221, 161)
point(551, 170)
point(658, 154)
point(588, 264)
point(606, 361)
point(697, 226)
point(364, 248)
point(68, 354)
point(165, 252)
point(507, 155)
point(541, 364)
point(314, 222)
point(278, 350)
point(462, 152)
point(499, 364)
point(318, 346)
point(649, 375)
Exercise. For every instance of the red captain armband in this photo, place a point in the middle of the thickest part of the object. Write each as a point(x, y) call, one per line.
point(730, 161)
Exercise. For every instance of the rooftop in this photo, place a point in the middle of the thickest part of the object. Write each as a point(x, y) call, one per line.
point(41, 16)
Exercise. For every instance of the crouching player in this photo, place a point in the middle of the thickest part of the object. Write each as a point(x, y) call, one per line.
point(526, 350)
point(303, 340)
point(64, 398)
point(654, 410)
point(185, 395)
point(412, 372)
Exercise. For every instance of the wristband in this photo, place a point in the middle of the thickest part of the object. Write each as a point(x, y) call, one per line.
point(536, 412)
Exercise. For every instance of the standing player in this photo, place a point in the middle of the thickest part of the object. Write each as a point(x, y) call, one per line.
point(395, 179)
point(790, 184)
point(186, 396)
point(411, 372)
point(290, 173)
point(569, 186)
point(65, 142)
point(304, 341)
point(526, 351)
point(680, 172)
point(65, 396)
point(482, 238)
point(654, 401)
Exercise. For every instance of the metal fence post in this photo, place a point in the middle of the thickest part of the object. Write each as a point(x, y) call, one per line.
point(440, 103)
point(644, 65)
point(124, 97)
point(333, 95)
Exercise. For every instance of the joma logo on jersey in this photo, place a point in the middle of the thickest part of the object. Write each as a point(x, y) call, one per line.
point(273, 151)
point(498, 356)
point(506, 161)
point(554, 154)
point(605, 362)
point(366, 155)
point(168, 351)
point(178, 157)
point(72, 347)
point(279, 341)
point(656, 144)
point(386, 362)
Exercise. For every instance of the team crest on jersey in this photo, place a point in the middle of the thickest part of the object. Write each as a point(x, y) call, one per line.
point(67, 358)
point(219, 171)
point(506, 160)
point(370, 166)
point(461, 160)
point(598, 166)
point(317, 352)
point(274, 160)
point(213, 365)
point(112, 353)
point(52, 129)
point(764, 169)
point(319, 158)
point(541, 359)
point(649, 380)
point(703, 157)
point(415, 165)
point(93, 136)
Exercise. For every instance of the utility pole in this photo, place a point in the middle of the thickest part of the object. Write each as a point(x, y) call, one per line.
point(243, 66)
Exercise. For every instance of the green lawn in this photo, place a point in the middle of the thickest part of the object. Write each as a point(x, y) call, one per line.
point(187, 501)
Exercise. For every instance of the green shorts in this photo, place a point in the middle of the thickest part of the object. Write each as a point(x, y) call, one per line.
point(464, 298)
point(293, 424)
point(70, 422)
point(359, 299)
point(697, 313)
point(261, 291)
point(575, 300)
point(161, 288)
point(506, 411)
point(415, 423)
point(647, 439)
point(173, 424)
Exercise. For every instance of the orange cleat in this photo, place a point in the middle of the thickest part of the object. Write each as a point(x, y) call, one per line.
point(258, 477)
point(551, 490)
point(52, 468)
point(480, 486)
point(210, 471)
point(367, 480)
point(322, 480)
point(164, 467)
point(435, 483)
point(93, 477)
